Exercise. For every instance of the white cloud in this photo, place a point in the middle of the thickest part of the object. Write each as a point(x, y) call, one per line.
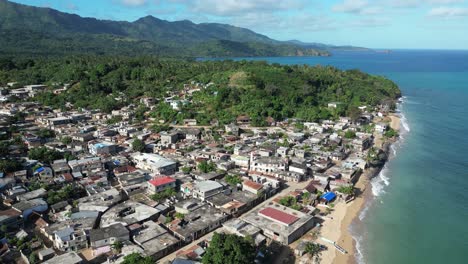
point(351, 6)
point(362, 7)
point(444, 2)
point(133, 2)
point(236, 7)
point(448, 12)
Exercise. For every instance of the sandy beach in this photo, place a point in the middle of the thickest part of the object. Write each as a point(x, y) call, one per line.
point(337, 229)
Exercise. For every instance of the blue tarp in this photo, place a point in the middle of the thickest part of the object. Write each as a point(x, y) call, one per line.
point(41, 169)
point(329, 196)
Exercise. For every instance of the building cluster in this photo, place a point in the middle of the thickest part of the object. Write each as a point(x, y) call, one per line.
point(185, 183)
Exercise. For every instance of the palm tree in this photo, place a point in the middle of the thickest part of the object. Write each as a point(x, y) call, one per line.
point(117, 246)
point(313, 250)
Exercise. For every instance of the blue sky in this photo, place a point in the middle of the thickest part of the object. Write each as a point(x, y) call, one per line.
point(430, 24)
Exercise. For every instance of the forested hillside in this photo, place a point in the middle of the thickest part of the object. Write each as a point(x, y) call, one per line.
point(34, 30)
point(257, 89)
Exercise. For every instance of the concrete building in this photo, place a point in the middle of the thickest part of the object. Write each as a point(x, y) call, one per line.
point(101, 239)
point(102, 148)
point(155, 163)
point(28, 207)
point(280, 223)
point(206, 189)
point(159, 184)
point(86, 165)
point(253, 187)
point(70, 239)
point(155, 240)
point(127, 213)
point(268, 164)
point(68, 258)
point(199, 220)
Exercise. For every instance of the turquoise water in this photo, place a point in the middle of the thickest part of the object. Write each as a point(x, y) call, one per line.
point(419, 209)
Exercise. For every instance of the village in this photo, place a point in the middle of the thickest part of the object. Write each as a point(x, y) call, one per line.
point(92, 187)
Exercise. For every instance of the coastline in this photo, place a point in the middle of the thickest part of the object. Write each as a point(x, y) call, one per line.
point(344, 215)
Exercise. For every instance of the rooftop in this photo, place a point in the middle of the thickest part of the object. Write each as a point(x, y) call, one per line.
point(161, 181)
point(128, 213)
point(117, 230)
point(278, 215)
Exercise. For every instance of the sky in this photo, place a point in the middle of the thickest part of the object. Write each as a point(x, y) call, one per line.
point(397, 24)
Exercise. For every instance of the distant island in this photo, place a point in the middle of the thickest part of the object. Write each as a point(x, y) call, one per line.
point(50, 32)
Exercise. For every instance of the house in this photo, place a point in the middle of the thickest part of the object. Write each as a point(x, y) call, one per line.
point(11, 218)
point(102, 148)
point(28, 207)
point(206, 189)
point(127, 213)
point(362, 143)
point(280, 223)
point(56, 121)
point(99, 202)
point(169, 138)
point(45, 173)
point(232, 129)
point(199, 219)
point(333, 104)
point(190, 122)
point(241, 160)
point(86, 165)
point(192, 134)
point(154, 163)
point(381, 127)
point(70, 239)
point(39, 193)
point(155, 240)
point(101, 239)
point(253, 187)
point(159, 184)
point(68, 258)
point(83, 137)
point(243, 120)
point(60, 167)
point(46, 254)
point(268, 164)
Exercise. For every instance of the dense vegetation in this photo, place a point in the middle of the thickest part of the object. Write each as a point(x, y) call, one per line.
point(33, 30)
point(256, 89)
point(229, 249)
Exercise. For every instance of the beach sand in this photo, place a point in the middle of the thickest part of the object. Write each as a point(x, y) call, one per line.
point(337, 229)
point(395, 123)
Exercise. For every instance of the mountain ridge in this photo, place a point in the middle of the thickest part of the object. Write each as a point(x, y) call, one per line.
point(59, 32)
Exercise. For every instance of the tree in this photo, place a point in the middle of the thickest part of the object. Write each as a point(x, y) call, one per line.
point(354, 113)
point(349, 134)
point(348, 190)
point(179, 215)
point(117, 246)
point(138, 145)
point(313, 250)
point(233, 179)
point(45, 133)
point(66, 140)
point(229, 249)
point(391, 133)
point(44, 154)
point(137, 258)
point(206, 166)
point(186, 169)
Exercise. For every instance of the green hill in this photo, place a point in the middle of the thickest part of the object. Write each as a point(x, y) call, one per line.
point(36, 30)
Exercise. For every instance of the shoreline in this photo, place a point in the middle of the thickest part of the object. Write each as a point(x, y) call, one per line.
point(343, 236)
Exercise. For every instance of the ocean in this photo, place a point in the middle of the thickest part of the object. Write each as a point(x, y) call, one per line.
point(418, 212)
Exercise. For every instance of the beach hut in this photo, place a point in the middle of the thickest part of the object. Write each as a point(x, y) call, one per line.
point(328, 197)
